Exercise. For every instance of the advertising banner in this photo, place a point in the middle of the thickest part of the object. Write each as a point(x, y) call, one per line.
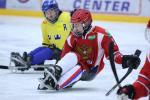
point(24, 4)
point(128, 7)
point(109, 7)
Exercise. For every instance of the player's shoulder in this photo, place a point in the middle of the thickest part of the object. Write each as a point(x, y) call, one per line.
point(99, 30)
point(44, 21)
point(65, 15)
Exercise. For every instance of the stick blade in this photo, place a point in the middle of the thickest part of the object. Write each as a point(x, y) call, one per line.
point(4, 67)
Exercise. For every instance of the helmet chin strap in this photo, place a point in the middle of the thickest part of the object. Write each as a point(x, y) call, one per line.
point(87, 29)
point(78, 34)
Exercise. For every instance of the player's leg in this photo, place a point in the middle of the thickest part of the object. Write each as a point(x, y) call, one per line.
point(54, 72)
point(40, 54)
point(70, 77)
point(37, 56)
point(89, 75)
point(76, 74)
point(19, 60)
point(68, 62)
point(56, 81)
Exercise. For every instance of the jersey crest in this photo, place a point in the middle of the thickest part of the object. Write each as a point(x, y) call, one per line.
point(45, 22)
point(57, 37)
point(85, 51)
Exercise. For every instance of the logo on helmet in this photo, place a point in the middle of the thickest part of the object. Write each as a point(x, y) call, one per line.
point(48, 4)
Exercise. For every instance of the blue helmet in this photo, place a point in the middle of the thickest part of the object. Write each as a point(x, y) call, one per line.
point(48, 4)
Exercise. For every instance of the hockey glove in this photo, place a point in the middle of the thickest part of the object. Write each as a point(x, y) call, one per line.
point(56, 53)
point(51, 46)
point(130, 61)
point(126, 92)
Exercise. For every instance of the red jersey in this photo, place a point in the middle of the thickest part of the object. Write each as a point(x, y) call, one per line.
point(148, 25)
point(142, 84)
point(91, 48)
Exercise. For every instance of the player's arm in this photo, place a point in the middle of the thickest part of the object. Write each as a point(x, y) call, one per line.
point(140, 88)
point(67, 46)
point(107, 39)
point(142, 84)
point(45, 41)
point(125, 60)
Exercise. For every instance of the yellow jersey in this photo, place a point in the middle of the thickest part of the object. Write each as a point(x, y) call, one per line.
point(57, 32)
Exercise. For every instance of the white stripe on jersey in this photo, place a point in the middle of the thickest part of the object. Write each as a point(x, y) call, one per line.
point(69, 41)
point(145, 77)
point(144, 86)
point(116, 55)
point(100, 50)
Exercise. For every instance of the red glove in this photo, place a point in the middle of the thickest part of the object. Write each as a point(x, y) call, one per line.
point(126, 91)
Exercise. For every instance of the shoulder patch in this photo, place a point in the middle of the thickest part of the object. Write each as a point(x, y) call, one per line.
point(108, 33)
point(92, 37)
point(45, 22)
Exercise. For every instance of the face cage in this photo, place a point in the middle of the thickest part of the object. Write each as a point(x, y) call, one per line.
point(78, 34)
point(147, 34)
point(56, 17)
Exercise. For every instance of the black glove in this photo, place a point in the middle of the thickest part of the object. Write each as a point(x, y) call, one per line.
point(56, 53)
point(127, 90)
point(130, 61)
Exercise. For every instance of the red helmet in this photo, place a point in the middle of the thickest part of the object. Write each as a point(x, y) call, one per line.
point(81, 16)
point(84, 17)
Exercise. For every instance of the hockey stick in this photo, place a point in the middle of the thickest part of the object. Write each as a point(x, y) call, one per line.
point(137, 53)
point(17, 67)
point(111, 59)
point(4, 67)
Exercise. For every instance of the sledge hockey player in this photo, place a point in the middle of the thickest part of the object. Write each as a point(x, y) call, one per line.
point(55, 29)
point(141, 87)
point(82, 55)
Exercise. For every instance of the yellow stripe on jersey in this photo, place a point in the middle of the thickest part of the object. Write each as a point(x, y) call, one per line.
point(58, 32)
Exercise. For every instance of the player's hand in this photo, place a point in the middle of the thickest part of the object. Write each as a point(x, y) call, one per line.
point(130, 61)
point(126, 92)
